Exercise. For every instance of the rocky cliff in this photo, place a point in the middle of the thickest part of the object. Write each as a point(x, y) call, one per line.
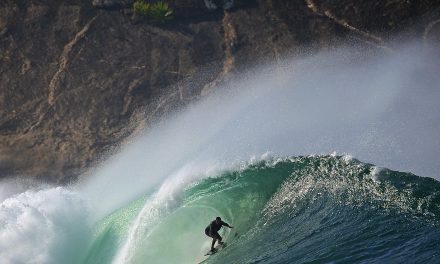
point(79, 76)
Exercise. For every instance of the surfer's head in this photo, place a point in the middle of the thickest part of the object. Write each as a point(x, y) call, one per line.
point(218, 219)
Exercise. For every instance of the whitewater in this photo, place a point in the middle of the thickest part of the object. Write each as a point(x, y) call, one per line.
point(324, 158)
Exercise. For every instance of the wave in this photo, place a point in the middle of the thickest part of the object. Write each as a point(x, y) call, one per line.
point(380, 108)
point(289, 210)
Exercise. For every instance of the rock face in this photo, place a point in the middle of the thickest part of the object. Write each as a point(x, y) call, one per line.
point(77, 76)
point(112, 3)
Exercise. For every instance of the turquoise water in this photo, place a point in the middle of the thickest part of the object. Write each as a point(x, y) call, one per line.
point(322, 209)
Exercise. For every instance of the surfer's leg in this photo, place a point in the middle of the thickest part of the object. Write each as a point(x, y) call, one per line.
point(213, 242)
point(219, 238)
point(216, 237)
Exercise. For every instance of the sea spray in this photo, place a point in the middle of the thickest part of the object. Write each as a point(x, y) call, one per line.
point(379, 108)
point(44, 226)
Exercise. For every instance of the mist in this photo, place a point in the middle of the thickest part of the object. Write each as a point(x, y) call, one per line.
point(380, 108)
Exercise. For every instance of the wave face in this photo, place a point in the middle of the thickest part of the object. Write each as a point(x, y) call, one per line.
point(315, 209)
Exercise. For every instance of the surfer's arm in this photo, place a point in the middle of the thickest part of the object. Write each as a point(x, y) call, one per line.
point(226, 224)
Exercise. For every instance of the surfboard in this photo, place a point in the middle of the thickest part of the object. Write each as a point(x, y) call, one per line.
point(211, 252)
point(216, 249)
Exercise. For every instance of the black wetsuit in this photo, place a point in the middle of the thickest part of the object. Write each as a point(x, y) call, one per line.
point(213, 228)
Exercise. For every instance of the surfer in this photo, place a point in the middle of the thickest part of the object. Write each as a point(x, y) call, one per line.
point(212, 231)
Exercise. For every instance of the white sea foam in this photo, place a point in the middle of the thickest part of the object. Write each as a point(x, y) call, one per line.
point(43, 226)
point(374, 173)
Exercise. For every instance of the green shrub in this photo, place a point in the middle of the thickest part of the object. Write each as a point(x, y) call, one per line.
point(141, 8)
point(159, 11)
